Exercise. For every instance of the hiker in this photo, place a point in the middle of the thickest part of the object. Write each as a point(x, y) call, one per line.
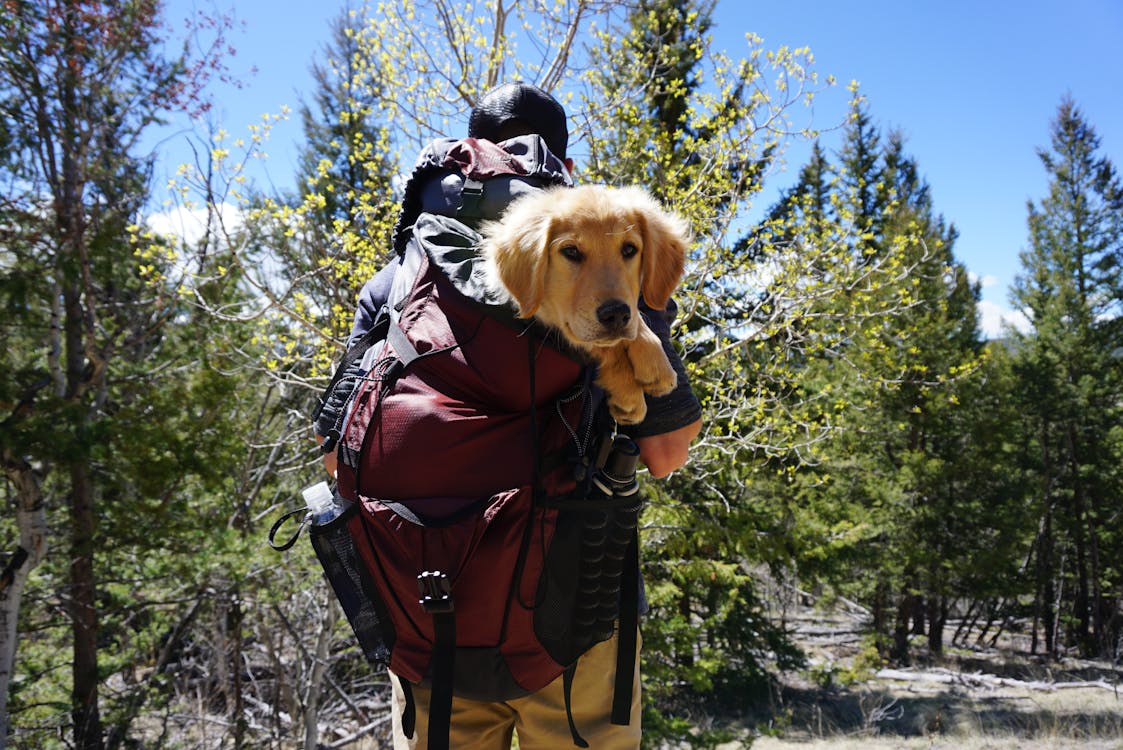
point(528, 117)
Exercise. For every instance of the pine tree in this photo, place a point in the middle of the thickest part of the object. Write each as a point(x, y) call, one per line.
point(1069, 362)
point(341, 134)
point(888, 381)
point(649, 121)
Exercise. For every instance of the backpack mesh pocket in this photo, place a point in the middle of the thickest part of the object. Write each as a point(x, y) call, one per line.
point(346, 572)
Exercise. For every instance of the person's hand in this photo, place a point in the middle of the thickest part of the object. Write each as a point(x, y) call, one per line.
point(664, 453)
point(329, 458)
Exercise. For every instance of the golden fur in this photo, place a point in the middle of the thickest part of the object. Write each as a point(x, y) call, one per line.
point(578, 259)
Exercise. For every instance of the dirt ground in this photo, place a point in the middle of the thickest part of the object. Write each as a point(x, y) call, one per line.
point(975, 698)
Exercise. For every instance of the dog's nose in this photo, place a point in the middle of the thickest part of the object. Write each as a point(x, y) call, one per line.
point(614, 315)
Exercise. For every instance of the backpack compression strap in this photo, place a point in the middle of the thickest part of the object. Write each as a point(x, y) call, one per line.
point(626, 643)
point(436, 599)
point(435, 589)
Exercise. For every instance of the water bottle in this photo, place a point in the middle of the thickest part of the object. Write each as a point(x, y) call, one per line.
point(324, 506)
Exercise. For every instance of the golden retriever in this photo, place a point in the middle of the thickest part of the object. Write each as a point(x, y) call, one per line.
point(578, 259)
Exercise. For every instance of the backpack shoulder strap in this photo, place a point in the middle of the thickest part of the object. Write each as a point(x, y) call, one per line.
point(344, 370)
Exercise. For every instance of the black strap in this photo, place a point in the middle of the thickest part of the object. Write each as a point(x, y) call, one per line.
point(531, 356)
point(626, 641)
point(567, 689)
point(419, 519)
point(444, 658)
point(538, 494)
point(301, 511)
point(409, 713)
point(377, 332)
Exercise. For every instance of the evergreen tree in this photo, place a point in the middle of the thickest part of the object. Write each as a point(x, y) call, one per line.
point(348, 169)
point(649, 121)
point(1069, 363)
point(885, 484)
point(863, 194)
point(340, 131)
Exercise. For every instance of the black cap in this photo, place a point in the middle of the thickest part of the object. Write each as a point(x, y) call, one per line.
point(520, 109)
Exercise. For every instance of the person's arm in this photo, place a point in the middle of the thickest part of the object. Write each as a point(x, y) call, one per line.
point(668, 451)
point(674, 420)
point(330, 460)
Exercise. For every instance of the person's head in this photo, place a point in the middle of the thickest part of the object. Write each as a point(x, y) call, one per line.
point(515, 109)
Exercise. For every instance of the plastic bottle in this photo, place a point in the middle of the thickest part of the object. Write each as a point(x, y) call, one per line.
point(324, 506)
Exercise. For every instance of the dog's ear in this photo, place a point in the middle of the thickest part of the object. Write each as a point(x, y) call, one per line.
point(665, 239)
point(518, 246)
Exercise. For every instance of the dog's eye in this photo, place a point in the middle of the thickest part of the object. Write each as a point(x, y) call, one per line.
point(628, 250)
point(571, 252)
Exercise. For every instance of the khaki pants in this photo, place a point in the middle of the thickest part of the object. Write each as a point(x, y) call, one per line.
point(539, 718)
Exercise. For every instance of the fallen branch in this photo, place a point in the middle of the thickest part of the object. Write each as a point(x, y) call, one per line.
point(976, 679)
point(365, 731)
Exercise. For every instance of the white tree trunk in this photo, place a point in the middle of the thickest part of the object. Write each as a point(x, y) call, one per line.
point(31, 519)
point(316, 688)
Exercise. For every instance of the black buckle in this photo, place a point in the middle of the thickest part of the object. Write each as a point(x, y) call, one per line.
point(436, 592)
point(471, 193)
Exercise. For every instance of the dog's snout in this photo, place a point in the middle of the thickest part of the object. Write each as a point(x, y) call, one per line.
point(614, 315)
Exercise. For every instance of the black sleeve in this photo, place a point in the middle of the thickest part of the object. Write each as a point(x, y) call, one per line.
point(680, 407)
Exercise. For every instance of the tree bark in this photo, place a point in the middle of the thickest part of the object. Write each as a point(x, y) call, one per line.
point(84, 613)
point(31, 520)
point(901, 628)
point(937, 617)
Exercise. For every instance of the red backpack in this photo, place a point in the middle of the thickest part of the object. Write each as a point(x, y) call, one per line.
point(491, 539)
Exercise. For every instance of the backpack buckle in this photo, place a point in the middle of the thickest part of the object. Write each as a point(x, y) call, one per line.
point(436, 592)
point(470, 196)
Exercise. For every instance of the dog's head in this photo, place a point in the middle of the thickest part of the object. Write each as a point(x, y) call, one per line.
point(578, 259)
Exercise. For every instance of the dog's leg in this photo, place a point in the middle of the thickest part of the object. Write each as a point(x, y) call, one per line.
point(630, 369)
point(653, 371)
point(616, 376)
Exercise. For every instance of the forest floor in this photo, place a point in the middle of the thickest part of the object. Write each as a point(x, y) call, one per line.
point(996, 697)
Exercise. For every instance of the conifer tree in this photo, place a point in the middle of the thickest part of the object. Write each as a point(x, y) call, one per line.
point(340, 129)
point(1069, 363)
point(882, 484)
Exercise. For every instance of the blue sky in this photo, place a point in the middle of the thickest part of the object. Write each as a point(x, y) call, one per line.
point(972, 84)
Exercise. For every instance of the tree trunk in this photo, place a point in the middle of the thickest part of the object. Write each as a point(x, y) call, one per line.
point(236, 618)
point(937, 617)
point(1046, 588)
point(900, 652)
point(31, 520)
point(1081, 605)
point(317, 675)
point(967, 624)
point(879, 616)
point(1045, 592)
point(83, 613)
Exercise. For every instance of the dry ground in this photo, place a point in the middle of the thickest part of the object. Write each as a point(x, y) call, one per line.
point(974, 699)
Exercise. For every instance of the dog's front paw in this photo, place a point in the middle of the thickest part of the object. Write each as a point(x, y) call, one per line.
point(652, 369)
point(628, 407)
point(656, 377)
